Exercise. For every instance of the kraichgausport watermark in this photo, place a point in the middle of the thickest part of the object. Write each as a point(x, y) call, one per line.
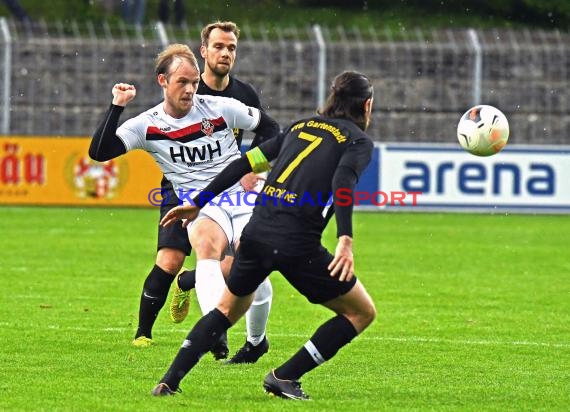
point(344, 197)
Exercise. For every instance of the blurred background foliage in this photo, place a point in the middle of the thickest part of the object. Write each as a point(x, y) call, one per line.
point(400, 14)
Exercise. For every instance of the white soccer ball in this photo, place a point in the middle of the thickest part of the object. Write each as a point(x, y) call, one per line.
point(483, 130)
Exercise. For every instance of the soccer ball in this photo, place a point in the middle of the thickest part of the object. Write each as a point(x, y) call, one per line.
point(483, 130)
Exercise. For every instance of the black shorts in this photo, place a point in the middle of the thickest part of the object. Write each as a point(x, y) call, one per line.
point(309, 274)
point(173, 236)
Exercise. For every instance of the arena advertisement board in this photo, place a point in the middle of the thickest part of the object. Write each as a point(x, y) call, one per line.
point(444, 177)
point(410, 177)
point(58, 171)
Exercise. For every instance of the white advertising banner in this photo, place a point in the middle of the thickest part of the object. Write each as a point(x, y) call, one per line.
point(444, 177)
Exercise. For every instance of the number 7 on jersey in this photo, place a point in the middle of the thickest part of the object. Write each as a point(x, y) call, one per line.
point(315, 141)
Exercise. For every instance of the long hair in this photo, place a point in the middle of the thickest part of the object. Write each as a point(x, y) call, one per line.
point(171, 52)
point(349, 91)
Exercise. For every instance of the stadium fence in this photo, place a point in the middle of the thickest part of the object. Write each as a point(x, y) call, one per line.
point(57, 79)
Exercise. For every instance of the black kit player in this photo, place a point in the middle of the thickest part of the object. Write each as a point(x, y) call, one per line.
point(218, 49)
point(313, 160)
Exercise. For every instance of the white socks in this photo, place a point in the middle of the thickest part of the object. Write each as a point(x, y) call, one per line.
point(258, 312)
point(209, 284)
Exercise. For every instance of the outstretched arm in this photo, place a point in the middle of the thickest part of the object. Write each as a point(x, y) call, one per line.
point(256, 160)
point(227, 177)
point(265, 130)
point(106, 144)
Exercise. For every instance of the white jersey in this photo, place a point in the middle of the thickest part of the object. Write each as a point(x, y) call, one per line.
point(191, 151)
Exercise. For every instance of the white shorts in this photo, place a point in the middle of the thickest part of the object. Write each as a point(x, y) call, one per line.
point(231, 215)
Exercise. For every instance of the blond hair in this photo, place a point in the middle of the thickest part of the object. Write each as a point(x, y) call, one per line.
point(227, 26)
point(165, 58)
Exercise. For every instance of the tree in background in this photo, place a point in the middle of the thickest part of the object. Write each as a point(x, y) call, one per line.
point(530, 11)
point(432, 13)
point(17, 10)
point(134, 11)
point(164, 11)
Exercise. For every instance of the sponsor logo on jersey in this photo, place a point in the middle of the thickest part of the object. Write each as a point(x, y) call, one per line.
point(197, 154)
point(207, 127)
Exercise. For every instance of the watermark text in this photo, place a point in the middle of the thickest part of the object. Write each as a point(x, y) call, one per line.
point(274, 196)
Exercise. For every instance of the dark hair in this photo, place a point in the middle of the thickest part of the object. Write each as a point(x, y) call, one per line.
point(349, 91)
point(227, 26)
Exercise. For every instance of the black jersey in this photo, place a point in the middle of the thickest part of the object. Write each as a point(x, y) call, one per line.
point(292, 209)
point(244, 92)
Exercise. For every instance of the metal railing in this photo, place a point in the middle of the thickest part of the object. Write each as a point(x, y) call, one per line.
point(57, 79)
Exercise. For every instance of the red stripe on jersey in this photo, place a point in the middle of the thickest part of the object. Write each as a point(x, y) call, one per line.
point(185, 131)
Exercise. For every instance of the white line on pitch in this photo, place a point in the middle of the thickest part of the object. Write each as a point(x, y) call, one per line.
point(410, 339)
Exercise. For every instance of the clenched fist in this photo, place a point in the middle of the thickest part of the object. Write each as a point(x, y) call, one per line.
point(123, 93)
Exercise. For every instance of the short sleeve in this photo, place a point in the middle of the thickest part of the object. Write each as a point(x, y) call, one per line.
point(132, 133)
point(238, 115)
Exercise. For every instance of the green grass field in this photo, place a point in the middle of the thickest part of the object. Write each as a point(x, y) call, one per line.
point(473, 314)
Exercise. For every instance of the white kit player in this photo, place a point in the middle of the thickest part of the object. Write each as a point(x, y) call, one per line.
point(191, 139)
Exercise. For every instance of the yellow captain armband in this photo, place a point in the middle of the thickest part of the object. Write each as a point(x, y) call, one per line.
point(257, 160)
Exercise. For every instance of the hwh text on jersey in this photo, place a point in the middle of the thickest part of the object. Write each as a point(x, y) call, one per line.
point(193, 154)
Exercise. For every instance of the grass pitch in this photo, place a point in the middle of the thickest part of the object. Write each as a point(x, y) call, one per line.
point(474, 314)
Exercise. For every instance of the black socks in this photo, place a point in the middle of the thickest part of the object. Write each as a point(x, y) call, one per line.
point(153, 297)
point(200, 340)
point(323, 345)
point(187, 280)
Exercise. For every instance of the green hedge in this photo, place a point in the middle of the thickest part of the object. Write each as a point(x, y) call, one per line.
point(399, 13)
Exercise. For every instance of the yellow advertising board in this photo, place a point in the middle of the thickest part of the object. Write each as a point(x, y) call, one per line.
point(58, 171)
